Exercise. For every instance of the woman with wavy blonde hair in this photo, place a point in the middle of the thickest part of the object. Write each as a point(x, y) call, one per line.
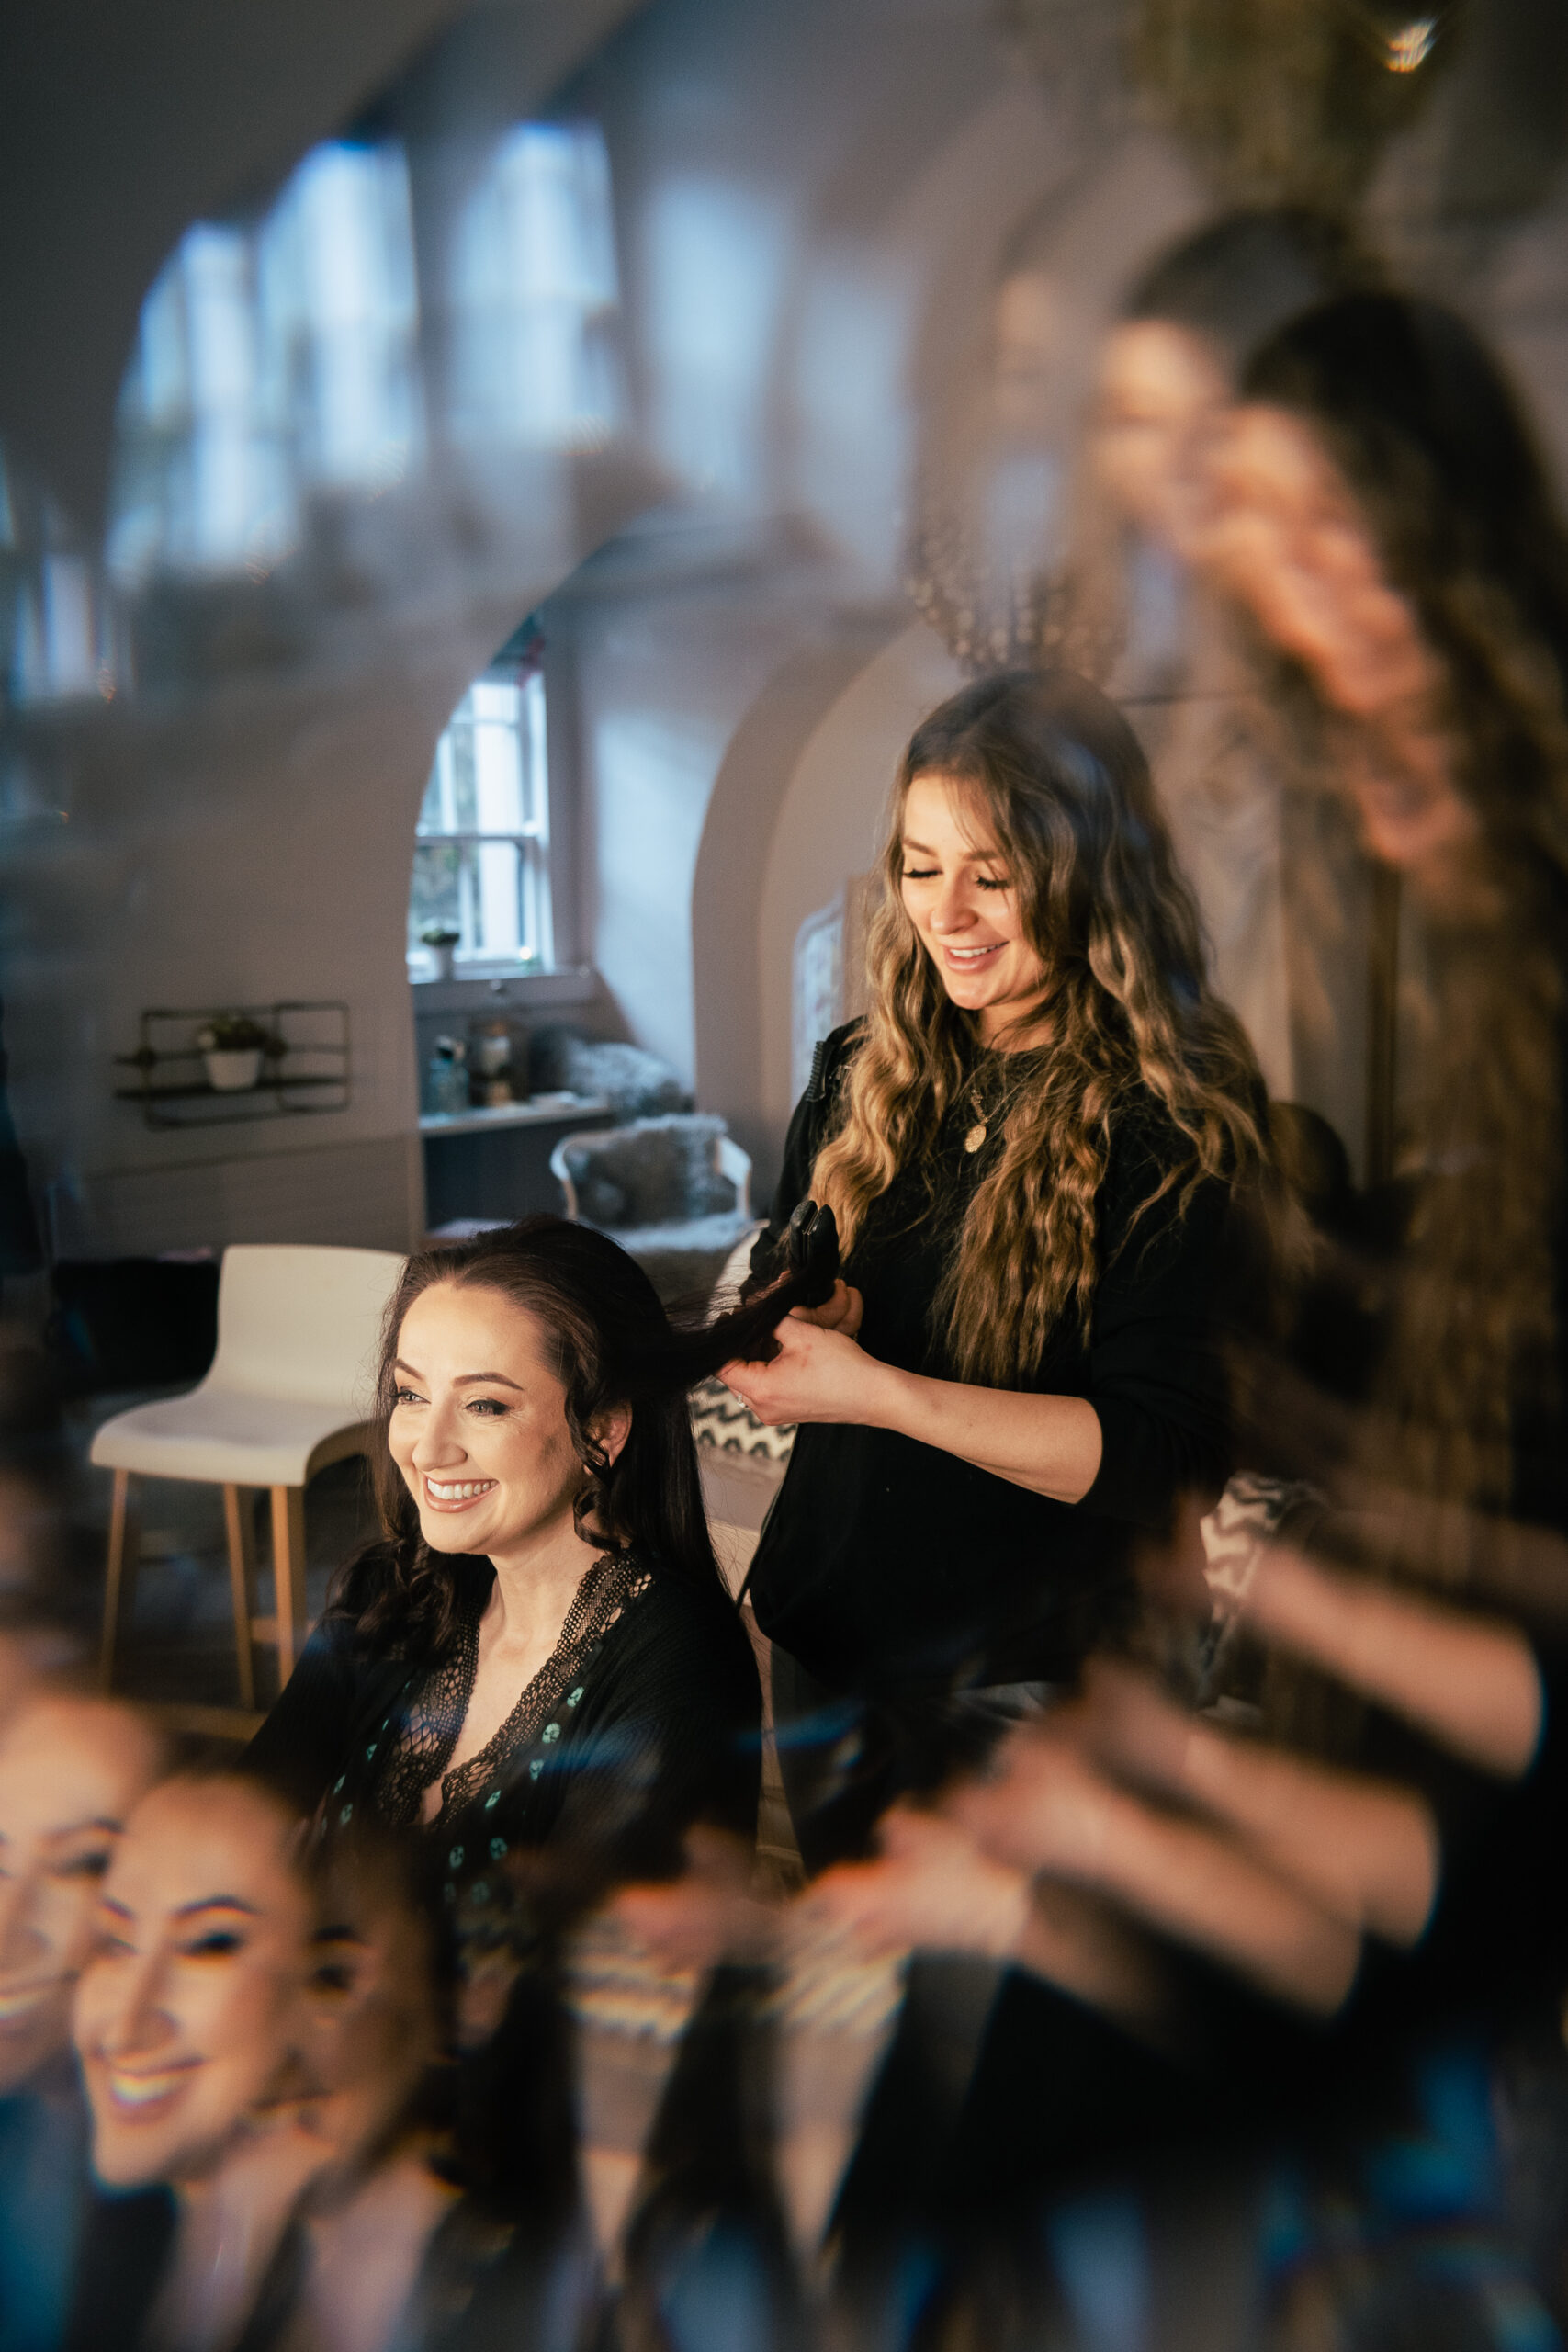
point(1030, 1146)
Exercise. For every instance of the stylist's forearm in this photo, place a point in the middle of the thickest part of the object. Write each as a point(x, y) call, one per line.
point(1050, 1444)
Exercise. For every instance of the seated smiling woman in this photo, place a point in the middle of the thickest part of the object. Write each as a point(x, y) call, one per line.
point(540, 1652)
point(1030, 1146)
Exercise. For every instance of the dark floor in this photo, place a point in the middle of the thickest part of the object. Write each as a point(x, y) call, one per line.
point(177, 1636)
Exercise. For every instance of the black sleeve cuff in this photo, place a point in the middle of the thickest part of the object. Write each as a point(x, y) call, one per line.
point(1146, 1462)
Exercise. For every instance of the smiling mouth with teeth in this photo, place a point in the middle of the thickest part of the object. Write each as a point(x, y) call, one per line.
point(450, 1494)
point(23, 1999)
point(134, 2092)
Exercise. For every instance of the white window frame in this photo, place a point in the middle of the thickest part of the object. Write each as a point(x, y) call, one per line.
point(530, 840)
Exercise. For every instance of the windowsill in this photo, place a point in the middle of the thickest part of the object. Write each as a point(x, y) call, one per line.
point(504, 984)
point(538, 1110)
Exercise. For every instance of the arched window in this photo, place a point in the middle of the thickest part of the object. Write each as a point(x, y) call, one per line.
point(277, 355)
point(534, 295)
point(274, 357)
point(481, 861)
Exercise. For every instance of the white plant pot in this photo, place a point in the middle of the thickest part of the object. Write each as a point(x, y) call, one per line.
point(440, 962)
point(232, 1073)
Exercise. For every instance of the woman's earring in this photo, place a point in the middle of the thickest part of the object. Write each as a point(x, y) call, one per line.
point(588, 1498)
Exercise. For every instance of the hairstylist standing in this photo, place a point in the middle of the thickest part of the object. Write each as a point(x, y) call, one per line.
point(1029, 1144)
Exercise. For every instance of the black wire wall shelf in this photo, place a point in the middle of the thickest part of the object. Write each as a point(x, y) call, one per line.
point(303, 1067)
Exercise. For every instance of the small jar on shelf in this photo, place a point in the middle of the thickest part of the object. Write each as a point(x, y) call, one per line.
point(491, 1066)
point(446, 1077)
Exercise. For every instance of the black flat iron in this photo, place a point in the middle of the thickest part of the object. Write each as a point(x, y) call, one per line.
point(808, 1250)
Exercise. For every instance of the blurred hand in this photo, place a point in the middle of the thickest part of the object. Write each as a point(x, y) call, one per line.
point(930, 1885)
point(932, 1888)
point(1469, 1682)
point(1049, 1810)
point(708, 1914)
point(1365, 1850)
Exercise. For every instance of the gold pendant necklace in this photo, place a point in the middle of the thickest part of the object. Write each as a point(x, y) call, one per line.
point(976, 1133)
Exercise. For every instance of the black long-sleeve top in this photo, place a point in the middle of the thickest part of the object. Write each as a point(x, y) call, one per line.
point(887, 1564)
point(660, 1728)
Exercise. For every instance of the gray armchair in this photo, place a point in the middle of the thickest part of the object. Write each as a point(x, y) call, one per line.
point(675, 1192)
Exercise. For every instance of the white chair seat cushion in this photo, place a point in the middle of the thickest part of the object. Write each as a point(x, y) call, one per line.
point(227, 1436)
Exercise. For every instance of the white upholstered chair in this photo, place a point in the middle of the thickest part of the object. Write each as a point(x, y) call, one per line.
point(289, 1390)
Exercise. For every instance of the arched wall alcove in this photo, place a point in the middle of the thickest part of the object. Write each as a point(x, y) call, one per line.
point(829, 827)
point(733, 975)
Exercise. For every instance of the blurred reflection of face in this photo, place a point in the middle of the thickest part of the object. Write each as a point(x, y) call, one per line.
point(372, 2024)
point(1289, 541)
point(69, 1772)
point(961, 896)
point(1412, 817)
point(183, 2014)
point(1028, 372)
point(1162, 395)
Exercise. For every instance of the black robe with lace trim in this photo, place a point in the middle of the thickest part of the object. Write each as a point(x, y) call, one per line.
point(665, 1731)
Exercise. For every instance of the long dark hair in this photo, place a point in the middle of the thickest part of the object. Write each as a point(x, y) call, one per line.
point(1241, 277)
point(1066, 789)
point(609, 1342)
point(1430, 438)
point(1432, 444)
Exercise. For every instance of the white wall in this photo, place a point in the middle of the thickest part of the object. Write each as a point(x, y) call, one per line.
point(830, 824)
point(241, 845)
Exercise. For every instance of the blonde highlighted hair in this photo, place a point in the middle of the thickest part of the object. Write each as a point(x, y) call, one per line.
point(1057, 777)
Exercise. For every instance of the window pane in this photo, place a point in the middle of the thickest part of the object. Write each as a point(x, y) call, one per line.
point(433, 890)
point(476, 888)
point(532, 732)
point(489, 780)
point(431, 819)
point(498, 766)
point(498, 899)
point(465, 814)
point(534, 293)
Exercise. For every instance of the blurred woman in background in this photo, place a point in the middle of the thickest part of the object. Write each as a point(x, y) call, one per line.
point(1275, 876)
point(386, 2249)
point(187, 2025)
point(71, 1770)
point(1383, 513)
point(1387, 518)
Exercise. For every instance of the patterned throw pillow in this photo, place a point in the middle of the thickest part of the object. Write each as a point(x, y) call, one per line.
point(721, 1420)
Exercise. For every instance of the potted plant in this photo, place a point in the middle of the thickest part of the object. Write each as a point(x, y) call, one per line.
point(231, 1047)
point(440, 939)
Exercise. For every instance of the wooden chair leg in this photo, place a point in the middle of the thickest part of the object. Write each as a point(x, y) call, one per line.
point(289, 1574)
point(119, 1580)
point(240, 1530)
